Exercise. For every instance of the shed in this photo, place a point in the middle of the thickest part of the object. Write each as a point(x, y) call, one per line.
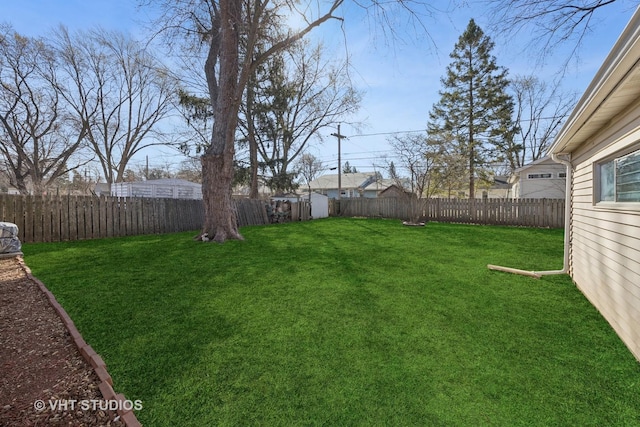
point(158, 188)
point(319, 203)
point(600, 144)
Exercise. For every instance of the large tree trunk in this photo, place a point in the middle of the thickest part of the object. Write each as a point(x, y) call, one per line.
point(226, 95)
point(217, 163)
point(220, 216)
point(20, 185)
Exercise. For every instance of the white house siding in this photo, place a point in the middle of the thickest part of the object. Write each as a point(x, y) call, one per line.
point(159, 188)
point(540, 188)
point(543, 188)
point(605, 250)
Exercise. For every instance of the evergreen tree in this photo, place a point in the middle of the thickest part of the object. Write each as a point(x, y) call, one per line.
point(347, 168)
point(474, 106)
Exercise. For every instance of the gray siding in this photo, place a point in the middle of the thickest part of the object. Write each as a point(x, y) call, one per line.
point(605, 251)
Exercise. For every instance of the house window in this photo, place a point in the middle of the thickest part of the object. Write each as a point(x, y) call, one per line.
point(619, 179)
point(539, 176)
point(562, 175)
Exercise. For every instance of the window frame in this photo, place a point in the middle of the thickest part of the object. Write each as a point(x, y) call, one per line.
point(597, 181)
point(539, 175)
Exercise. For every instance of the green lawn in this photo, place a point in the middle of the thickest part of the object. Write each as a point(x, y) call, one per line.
point(342, 322)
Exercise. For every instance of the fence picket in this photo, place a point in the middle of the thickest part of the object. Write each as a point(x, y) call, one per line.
point(60, 218)
point(516, 212)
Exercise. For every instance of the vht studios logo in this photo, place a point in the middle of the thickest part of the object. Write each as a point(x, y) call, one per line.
point(88, 405)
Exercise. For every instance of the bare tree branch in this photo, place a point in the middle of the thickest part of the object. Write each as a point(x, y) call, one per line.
point(119, 91)
point(548, 24)
point(37, 137)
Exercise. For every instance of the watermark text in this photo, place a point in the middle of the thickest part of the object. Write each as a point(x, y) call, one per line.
point(87, 405)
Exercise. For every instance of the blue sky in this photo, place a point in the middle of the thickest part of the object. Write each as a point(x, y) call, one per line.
point(400, 78)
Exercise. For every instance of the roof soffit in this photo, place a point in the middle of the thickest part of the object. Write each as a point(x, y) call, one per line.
point(613, 89)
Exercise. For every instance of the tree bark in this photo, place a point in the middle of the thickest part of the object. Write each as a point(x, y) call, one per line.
point(217, 162)
point(226, 95)
point(220, 215)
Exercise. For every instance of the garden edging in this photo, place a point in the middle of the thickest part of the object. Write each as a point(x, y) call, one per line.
point(88, 353)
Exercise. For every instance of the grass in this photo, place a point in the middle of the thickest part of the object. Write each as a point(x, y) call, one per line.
point(345, 322)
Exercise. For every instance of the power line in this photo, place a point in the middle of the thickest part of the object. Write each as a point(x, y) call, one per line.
point(424, 130)
point(387, 133)
point(353, 153)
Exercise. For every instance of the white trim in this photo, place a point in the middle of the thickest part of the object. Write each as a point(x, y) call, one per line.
point(621, 61)
point(597, 165)
point(567, 229)
point(618, 206)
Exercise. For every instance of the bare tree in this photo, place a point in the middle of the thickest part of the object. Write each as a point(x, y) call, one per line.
point(120, 89)
point(38, 140)
point(540, 109)
point(309, 167)
point(225, 26)
point(453, 173)
point(424, 160)
point(549, 23)
point(190, 170)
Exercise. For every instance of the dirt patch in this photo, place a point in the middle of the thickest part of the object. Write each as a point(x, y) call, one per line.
point(43, 376)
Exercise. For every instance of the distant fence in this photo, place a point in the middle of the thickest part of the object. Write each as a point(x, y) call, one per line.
point(519, 212)
point(62, 218)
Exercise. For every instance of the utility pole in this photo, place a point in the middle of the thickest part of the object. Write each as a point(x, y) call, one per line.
point(339, 136)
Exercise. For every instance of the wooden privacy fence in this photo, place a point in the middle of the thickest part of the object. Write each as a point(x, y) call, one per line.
point(250, 212)
point(62, 218)
point(519, 212)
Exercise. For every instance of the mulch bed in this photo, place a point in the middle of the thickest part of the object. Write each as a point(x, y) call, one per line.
point(39, 362)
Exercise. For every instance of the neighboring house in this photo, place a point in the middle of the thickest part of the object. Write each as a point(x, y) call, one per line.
point(243, 190)
point(542, 179)
point(11, 190)
point(102, 189)
point(374, 189)
point(500, 188)
point(351, 184)
point(601, 141)
point(158, 188)
point(394, 190)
